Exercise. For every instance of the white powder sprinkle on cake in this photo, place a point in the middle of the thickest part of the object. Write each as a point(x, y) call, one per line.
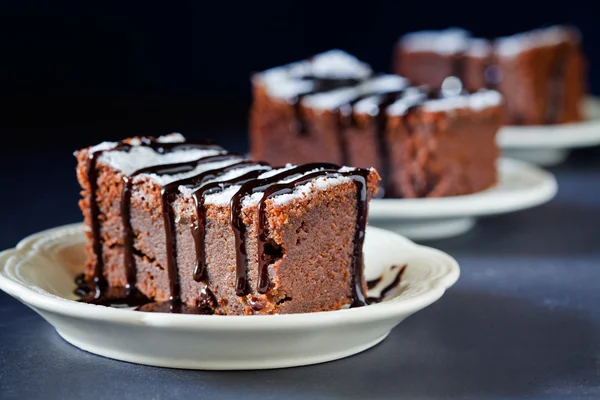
point(286, 81)
point(510, 46)
point(447, 41)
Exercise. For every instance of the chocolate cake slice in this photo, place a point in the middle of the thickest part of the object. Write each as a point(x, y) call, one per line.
point(334, 108)
point(194, 228)
point(438, 147)
point(540, 73)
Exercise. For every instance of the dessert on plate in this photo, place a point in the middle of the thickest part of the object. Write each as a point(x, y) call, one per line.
point(540, 73)
point(334, 108)
point(195, 228)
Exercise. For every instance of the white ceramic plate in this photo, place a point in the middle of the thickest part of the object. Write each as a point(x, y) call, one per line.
point(520, 186)
point(40, 273)
point(551, 144)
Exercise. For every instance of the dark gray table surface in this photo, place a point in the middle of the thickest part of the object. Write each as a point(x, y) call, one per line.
point(523, 322)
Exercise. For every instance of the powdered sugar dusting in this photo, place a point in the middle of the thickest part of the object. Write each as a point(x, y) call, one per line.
point(187, 191)
point(456, 40)
point(446, 104)
point(164, 180)
point(102, 146)
point(511, 46)
point(252, 199)
point(338, 64)
point(174, 137)
point(285, 81)
point(475, 101)
point(319, 184)
point(384, 83)
point(169, 138)
point(222, 198)
point(139, 157)
point(331, 100)
point(368, 105)
point(336, 98)
point(412, 97)
point(282, 84)
point(484, 99)
point(448, 41)
point(274, 172)
point(479, 48)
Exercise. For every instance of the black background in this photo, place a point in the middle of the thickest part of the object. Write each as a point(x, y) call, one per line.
point(75, 73)
point(522, 321)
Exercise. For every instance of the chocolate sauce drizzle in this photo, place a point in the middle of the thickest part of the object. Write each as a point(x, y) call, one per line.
point(373, 283)
point(380, 129)
point(345, 118)
point(360, 178)
point(167, 193)
point(99, 281)
point(249, 183)
point(394, 284)
point(199, 228)
point(237, 220)
point(320, 85)
point(128, 233)
point(380, 121)
point(98, 292)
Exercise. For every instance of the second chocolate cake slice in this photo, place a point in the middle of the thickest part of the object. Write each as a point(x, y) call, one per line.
point(541, 73)
point(193, 227)
point(333, 108)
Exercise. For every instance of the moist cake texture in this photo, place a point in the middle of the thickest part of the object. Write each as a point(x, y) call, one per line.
point(334, 108)
point(189, 227)
point(540, 73)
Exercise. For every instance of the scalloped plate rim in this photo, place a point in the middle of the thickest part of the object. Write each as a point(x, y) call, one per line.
point(563, 136)
point(55, 304)
point(487, 202)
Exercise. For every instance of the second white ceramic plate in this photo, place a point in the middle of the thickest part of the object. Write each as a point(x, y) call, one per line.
point(41, 270)
point(521, 185)
point(551, 144)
